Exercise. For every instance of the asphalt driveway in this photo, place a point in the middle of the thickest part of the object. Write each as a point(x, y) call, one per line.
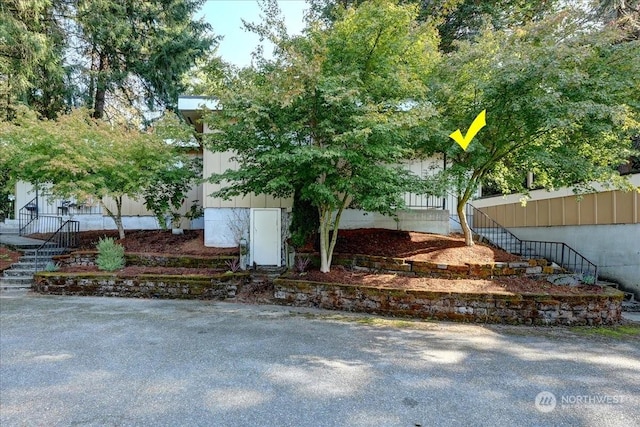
point(89, 361)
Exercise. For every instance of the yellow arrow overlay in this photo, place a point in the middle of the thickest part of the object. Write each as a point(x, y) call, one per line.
point(478, 123)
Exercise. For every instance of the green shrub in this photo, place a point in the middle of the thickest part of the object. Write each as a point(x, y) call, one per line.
point(110, 255)
point(51, 267)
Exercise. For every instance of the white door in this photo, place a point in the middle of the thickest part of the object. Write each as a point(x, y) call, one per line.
point(265, 236)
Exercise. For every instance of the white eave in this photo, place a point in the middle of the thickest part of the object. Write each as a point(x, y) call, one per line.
point(193, 103)
point(191, 108)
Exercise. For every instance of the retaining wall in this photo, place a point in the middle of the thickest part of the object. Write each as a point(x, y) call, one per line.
point(423, 268)
point(88, 258)
point(530, 309)
point(219, 287)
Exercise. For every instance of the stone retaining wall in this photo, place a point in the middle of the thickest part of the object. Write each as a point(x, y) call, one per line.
point(530, 309)
point(88, 258)
point(423, 268)
point(219, 287)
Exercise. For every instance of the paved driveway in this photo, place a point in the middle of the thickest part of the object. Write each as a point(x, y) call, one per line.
point(118, 362)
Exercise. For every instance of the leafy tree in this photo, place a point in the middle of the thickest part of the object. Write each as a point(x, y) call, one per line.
point(31, 53)
point(167, 191)
point(328, 115)
point(85, 158)
point(561, 101)
point(456, 19)
point(123, 56)
point(139, 49)
point(623, 13)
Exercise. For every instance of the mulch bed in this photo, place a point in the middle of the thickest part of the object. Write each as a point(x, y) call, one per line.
point(514, 284)
point(376, 242)
point(8, 257)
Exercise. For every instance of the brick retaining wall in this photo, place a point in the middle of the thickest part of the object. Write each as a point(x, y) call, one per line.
point(530, 309)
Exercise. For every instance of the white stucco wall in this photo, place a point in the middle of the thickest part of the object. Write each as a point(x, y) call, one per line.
point(615, 249)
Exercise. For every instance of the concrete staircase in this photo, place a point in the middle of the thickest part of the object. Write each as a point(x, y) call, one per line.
point(20, 275)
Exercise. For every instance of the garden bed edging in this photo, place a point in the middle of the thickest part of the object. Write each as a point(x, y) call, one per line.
point(528, 309)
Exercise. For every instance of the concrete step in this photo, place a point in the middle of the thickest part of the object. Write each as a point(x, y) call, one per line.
point(7, 290)
point(14, 272)
point(9, 230)
point(45, 252)
point(31, 265)
point(16, 281)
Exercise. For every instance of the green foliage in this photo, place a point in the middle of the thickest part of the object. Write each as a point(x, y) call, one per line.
point(31, 52)
point(116, 57)
point(304, 221)
point(166, 192)
point(110, 255)
point(326, 115)
point(51, 267)
point(562, 102)
point(85, 158)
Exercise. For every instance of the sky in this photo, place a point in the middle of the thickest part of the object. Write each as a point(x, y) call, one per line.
point(225, 18)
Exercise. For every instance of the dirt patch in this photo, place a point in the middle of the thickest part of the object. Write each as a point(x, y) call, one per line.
point(8, 257)
point(414, 246)
point(511, 284)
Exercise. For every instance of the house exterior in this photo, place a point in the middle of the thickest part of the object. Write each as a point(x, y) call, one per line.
point(259, 220)
point(603, 226)
point(262, 220)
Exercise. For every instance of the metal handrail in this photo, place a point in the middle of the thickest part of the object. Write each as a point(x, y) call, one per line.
point(27, 215)
point(559, 252)
point(66, 236)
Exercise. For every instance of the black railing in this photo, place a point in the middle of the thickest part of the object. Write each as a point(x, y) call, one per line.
point(428, 201)
point(562, 254)
point(28, 217)
point(65, 237)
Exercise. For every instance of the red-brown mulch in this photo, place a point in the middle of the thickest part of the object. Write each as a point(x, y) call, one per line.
point(415, 246)
point(514, 284)
point(8, 257)
point(377, 242)
point(154, 241)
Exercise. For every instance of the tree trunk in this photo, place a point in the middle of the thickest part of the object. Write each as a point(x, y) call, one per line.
point(468, 237)
point(117, 217)
point(328, 241)
point(325, 256)
point(101, 90)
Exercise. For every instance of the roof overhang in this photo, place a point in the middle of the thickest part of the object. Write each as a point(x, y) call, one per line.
point(191, 108)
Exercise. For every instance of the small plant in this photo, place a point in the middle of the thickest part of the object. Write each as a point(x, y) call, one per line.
point(588, 279)
point(233, 265)
point(301, 264)
point(51, 267)
point(195, 211)
point(110, 255)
